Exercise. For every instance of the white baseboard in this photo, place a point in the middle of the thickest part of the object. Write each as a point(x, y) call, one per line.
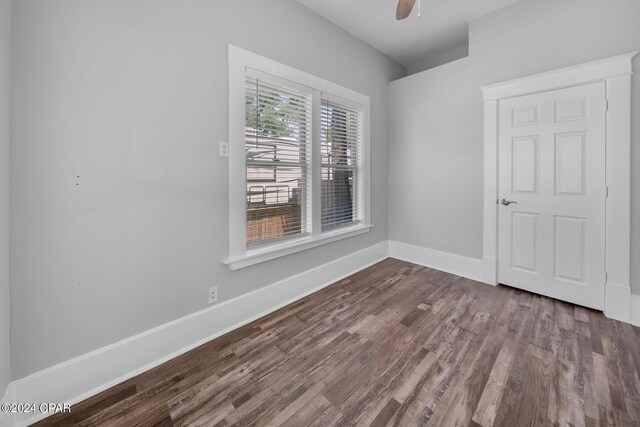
point(635, 310)
point(617, 302)
point(5, 420)
point(470, 268)
point(76, 379)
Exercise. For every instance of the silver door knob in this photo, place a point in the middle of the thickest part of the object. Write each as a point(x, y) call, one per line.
point(506, 202)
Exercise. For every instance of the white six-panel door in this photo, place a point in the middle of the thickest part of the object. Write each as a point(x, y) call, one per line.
point(552, 167)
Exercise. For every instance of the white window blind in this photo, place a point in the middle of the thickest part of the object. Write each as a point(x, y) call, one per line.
point(277, 143)
point(341, 150)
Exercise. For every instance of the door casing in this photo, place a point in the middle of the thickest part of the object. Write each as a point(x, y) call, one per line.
point(616, 73)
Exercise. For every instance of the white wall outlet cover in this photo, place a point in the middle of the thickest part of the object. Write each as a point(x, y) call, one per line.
point(213, 295)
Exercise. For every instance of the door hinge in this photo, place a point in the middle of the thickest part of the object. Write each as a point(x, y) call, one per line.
point(607, 192)
point(606, 278)
point(607, 106)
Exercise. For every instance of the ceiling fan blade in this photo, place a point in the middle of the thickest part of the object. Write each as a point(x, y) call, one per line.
point(404, 8)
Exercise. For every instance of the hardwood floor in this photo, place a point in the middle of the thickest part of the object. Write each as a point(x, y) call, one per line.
point(394, 345)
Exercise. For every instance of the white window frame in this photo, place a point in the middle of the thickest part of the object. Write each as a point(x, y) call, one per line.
point(240, 256)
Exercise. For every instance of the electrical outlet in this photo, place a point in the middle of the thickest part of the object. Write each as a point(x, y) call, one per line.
point(213, 295)
point(224, 149)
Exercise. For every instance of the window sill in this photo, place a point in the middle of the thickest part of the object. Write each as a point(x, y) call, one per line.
point(257, 256)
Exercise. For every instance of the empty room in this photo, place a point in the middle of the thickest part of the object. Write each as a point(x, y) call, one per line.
point(319, 213)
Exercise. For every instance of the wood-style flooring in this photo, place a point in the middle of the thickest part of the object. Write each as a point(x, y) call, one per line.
point(394, 345)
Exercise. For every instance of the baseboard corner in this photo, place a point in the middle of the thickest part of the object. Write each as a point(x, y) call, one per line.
point(470, 268)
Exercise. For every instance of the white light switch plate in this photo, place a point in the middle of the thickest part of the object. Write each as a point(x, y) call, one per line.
point(224, 149)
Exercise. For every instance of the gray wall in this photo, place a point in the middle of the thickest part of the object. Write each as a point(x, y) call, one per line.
point(5, 49)
point(131, 97)
point(435, 160)
point(436, 117)
point(452, 53)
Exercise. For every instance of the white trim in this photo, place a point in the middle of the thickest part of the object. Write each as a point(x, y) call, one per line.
point(236, 160)
point(471, 268)
point(565, 77)
point(618, 213)
point(239, 60)
point(79, 378)
point(257, 256)
point(616, 72)
point(635, 310)
point(490, 221)
point(617, 302)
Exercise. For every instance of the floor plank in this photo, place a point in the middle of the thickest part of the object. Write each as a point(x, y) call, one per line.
point(395, 344)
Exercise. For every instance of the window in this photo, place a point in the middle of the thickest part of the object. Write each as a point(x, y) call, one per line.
point(298, 150)
point(341, 141)
point(277, 137)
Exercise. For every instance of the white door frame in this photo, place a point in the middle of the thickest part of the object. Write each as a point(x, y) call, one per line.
point(616, 73)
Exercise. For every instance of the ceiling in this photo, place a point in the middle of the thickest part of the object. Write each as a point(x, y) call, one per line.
point(442, 28)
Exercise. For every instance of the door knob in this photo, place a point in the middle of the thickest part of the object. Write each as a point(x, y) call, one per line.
point(506, 202)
